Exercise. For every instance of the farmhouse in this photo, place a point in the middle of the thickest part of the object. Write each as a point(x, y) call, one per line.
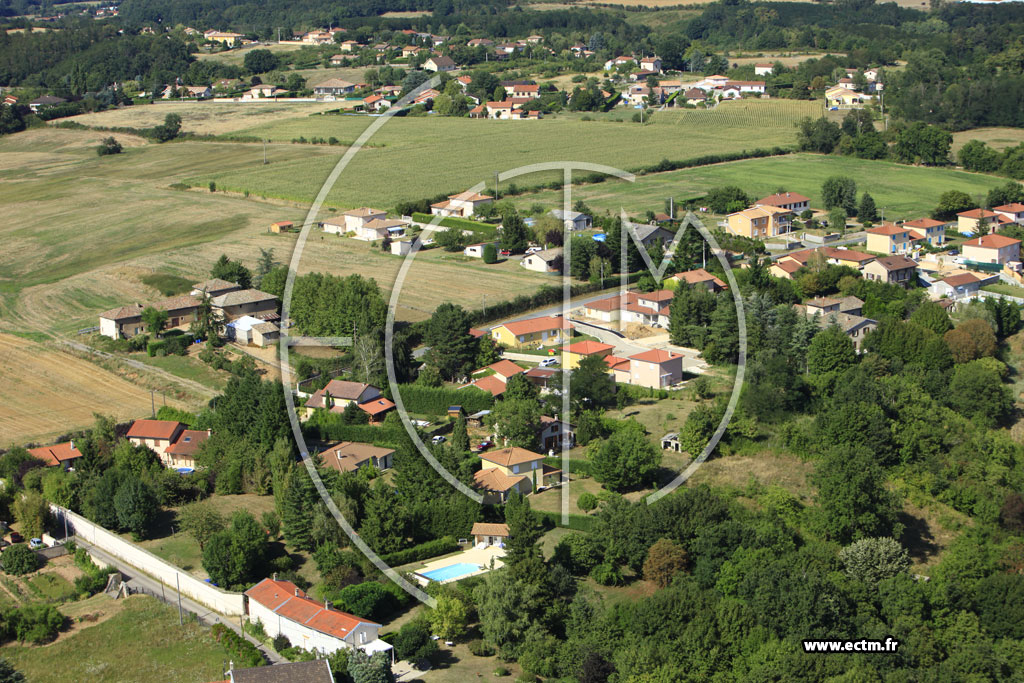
point(282, 608)
point(546, 261)
point(126, 321)
point(462, 205)
point(513, 469)
point(61, 455)
point(349, 456)
point(214, 287)
point(533, 332)
point(245, 302)
point(374, 103)
point(334, 86)
point(992, 249)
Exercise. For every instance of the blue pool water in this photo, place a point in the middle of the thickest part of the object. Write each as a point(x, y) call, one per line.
point(452, 571)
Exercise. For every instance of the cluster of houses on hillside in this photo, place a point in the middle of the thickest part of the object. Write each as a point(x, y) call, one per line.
point(250, 312)
point(845, 93)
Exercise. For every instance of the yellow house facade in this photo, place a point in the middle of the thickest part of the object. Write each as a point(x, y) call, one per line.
point(573, 354)
point(533, 333)
point(888, 239)
point(760, 222)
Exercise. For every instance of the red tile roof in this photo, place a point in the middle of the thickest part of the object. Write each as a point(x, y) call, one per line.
point(505, 368)
point(587, 348)
point(994, 241)
point(895, 262)
point(377, 406)
point(485, 529)
point(510, 456)
point(925, 223)
point(490, 384)
point(961, 279)
point(978, 213)
point(540, 324)
point(1012, 207)
point(781, 198)
point(655, 356)
point(886, 229)
point(698, 276)
point(493, 479)
point(56, 454)
point(188, 442)
point(616, 362)
point(153, 429)
point(288, 601)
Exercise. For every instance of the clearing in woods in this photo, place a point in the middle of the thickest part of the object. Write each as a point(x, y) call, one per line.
point(51, 393)
point(416, 157)
point(997, 138)
point(901, 191)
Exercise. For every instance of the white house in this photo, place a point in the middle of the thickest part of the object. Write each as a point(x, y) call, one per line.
point(463, 204)
point(352, 220)
point(283, 609)
point(378, 229)
point(543, 261)
point(477, 250)
point(573, 220)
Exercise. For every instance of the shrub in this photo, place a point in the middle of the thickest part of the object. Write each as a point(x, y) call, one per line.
point(439, 546)
point(34, 623)
point(241, 650)
point(606, 575)
point(19, 559)
point(587, 502)
point(109, 146)
point(501, 671)
point(480, 648)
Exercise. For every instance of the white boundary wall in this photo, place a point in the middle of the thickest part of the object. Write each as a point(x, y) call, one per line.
point(225, 602)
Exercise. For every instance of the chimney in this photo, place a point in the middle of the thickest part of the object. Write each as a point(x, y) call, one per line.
point(296, 591)
point(72, 444)
point(275, 576)
point(327, 604)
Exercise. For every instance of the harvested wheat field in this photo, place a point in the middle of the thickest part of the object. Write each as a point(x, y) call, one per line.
point(47, 393)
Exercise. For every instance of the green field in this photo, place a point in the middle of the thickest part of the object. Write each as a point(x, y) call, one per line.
point(140, 642)
point(423, 156)
point(901, 191)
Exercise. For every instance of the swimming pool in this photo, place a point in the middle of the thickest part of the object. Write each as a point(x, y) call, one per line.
point(452, 571)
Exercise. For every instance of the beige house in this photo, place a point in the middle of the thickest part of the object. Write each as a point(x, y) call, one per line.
point(856, 327)
point(759, 222)
point(338, 394)
point(791, 201)
point(349, 456)
point(784, 269)
point(463, 204)
point(993, 248)
point(927, 230)
point(352, 220)
point(1013, 212)
point(546, 261)
point(513, 469)
point(546, 330)
point(656, 368)
point(968, 222)
point(126, 321)
point(700, 278)
point(895, 270)
point(889, 238)
point(380, 229)
point(176, 446)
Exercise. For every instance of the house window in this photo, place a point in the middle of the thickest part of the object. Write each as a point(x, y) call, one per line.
point(515, 469)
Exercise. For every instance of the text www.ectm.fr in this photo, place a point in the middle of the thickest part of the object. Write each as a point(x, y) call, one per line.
point(862, 645)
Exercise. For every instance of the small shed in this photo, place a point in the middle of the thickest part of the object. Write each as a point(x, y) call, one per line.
point(282, 226)
point(670, 442)
point(477, 419)
point(455, 412)
point(485, 534)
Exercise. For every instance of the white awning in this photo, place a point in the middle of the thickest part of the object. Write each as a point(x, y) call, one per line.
point(375, 646)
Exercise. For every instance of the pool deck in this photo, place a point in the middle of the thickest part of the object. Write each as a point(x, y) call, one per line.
point(479, 556)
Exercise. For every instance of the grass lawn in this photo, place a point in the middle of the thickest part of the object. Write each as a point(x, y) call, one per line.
point(767, 467)
point(1005, 288)
point(902, 191)
point(141, 642)
point(167, 284)
point(51, 587)
point(423, 156)
point(189, 367)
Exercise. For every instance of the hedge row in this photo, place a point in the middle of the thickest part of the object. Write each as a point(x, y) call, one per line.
point(576, 465)
point(577, 522)
point(177, 345)
point(423, 551)
point(327, 426)
point(435, 400)
point(241, 650)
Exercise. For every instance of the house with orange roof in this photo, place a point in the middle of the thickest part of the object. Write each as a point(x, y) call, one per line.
point(339, 393)
point(181, 454)
point(657, 368)
point(489, 383)
point(618, 368)
point(791, 201)
point(927, 230)
point(760, 222)
point(283, 609)
point(889, 238)
point(784, 269)
point(532, 333)
point(462, 205)
point(1014, 211)
point(61, 455)
point(701, 278)
point(991, 248)
point(175, 444)
point(573, 354)
point(970, 222)
point(513, 469)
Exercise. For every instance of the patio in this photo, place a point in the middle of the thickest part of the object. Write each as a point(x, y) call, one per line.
point(480, 557)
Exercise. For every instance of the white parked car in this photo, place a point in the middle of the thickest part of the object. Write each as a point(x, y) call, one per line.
point(438, 439)
point(548, 362)
point(533, 250)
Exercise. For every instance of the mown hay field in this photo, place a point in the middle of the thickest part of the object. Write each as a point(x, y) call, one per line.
point(413, 157)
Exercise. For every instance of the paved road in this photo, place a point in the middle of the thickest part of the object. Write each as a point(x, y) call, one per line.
point(139, 580)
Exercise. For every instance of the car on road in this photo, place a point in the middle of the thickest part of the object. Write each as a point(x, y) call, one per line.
point(438, 439)
point(548, 362)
